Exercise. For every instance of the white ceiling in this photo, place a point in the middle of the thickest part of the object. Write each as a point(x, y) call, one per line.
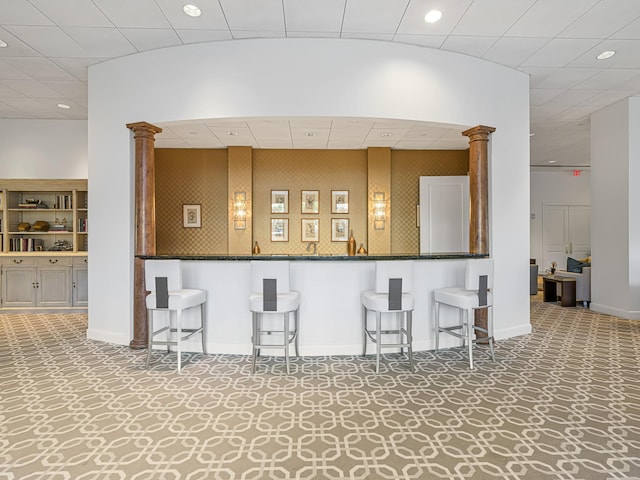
point(51, 43)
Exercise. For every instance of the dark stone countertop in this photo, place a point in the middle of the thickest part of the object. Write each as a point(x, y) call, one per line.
point(317, 258)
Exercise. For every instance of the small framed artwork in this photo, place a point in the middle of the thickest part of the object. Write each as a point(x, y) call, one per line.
point(339, 201)
point(310, 201)
point(279, 229)
point(310, 230)
point(339, 229)
point(279, 201)
point(191, 216)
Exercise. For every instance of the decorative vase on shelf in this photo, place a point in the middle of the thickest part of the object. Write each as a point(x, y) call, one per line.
point(351, 245)
point(362, 250)
point(256, 249)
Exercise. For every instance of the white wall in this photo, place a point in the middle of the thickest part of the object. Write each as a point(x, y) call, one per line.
point(554, 186)
point(43, 149)
point(615, 237)
point(302, 77)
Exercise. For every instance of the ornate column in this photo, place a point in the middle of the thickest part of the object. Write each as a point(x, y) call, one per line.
point(479, 199)
point(145, 208)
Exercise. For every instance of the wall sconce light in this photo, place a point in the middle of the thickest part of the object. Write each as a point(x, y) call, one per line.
point(379, 211)
point(240, 210)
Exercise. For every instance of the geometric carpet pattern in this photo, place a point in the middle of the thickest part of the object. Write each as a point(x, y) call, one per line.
point(561, 403)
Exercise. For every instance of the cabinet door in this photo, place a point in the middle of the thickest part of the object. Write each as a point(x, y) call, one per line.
point(19, 286)
point(80, 286)
point(54, 287)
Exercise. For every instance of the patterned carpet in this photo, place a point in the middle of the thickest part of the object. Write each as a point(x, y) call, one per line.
point(561, 403)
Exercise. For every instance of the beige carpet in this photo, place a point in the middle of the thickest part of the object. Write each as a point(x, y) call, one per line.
point(561, 403)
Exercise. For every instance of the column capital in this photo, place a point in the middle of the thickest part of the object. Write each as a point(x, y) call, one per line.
point(479, 132)
point(143, 128)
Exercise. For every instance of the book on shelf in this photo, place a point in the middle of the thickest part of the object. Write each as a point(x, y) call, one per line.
point(82, 225)
point(25, 244)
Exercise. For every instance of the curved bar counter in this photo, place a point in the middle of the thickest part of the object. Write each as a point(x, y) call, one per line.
point(329, 286)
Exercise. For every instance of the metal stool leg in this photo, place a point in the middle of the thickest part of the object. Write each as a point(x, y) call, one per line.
point(296, 325)
point(437, 317)
point(179, 337)
point(286, 341)
point(254, 340)
point(410, 338)
point(364, 331)
point(378, 348)
point(469, 315)
point(203, 332)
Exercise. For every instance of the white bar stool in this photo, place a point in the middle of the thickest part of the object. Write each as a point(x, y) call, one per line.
point(271, 294)
point(163, 278)
point(475, 295)
point(394, 282)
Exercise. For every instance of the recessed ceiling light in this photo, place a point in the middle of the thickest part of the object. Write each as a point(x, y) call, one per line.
point(191, 10)
point(552, 161)
point(64, 106)
point(386, 134)
point(310, 134)
point(606, 54)
point(433, 16)
point(3, 44)
point(531, 134)
point(233, 134)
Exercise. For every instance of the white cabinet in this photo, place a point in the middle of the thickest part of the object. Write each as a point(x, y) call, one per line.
point(566, 232)
point(80, 282)
point(43, 282)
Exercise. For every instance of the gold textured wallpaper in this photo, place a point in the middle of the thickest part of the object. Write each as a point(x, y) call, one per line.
point(407, 166)
point(298, 170)
point(191, 177)
point(203, 177)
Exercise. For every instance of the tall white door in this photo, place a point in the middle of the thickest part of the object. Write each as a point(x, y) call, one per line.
point(566, 232)
point(444, 214)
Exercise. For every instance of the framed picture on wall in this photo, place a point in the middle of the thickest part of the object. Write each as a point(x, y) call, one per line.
point(339, 229)
point(279, 201)
point(310, 230)
point(339, 201)
point(310, 201)
point(191, 216)
point(279, 229)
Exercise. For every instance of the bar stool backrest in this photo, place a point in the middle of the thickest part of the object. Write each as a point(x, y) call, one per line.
point(475, 269)
point(171, 269)
point(278, 270)
point(394, 269)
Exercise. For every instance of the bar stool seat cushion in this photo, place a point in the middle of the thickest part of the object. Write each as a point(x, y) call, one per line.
point(461, 298)
point(287, 302)
point(379, 302)
point(181, 299)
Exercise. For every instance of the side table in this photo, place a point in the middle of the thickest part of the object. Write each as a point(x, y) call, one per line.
point(550, 289)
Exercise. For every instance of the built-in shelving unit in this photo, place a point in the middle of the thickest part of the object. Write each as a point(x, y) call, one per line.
point(43, 216)
point(43, 244)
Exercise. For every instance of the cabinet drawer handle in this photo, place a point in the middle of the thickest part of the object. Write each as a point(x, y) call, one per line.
point(53, 260)
point(17, 260)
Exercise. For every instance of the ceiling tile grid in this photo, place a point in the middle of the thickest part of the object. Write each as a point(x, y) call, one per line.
point(50, 45)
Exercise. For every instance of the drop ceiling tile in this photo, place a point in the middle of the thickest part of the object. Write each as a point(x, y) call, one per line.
point(547, 18)
point(575, 97)
point(151, 38)
point(38, 67)
point(134, 14)
point(629, 32)
point(603, 19)
point(72, 89)
point(316, 122)
point(307, 34)
point(474, 46)
point(211, 142)
point(49, 41)
point(567, 77)
point(538, 74)
point(16, 47)
point(8, 92)
point(609, 97)
point(314, 16)
point(627, 55)
point(9, 72)
point(101, 42)
point(21, 12)
point(540, 96)
point(575, 113)
point(78, 67)
point(79, 13)
point(491, 17)
point(559, 52)
point(608, 79)
point(239, 34)
point(212, 17)
point(373, 16)
point(31, 88)
point(513, 51)
point(254, 15)
point(386, 37)
point(413, 20)
point(199, 36)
